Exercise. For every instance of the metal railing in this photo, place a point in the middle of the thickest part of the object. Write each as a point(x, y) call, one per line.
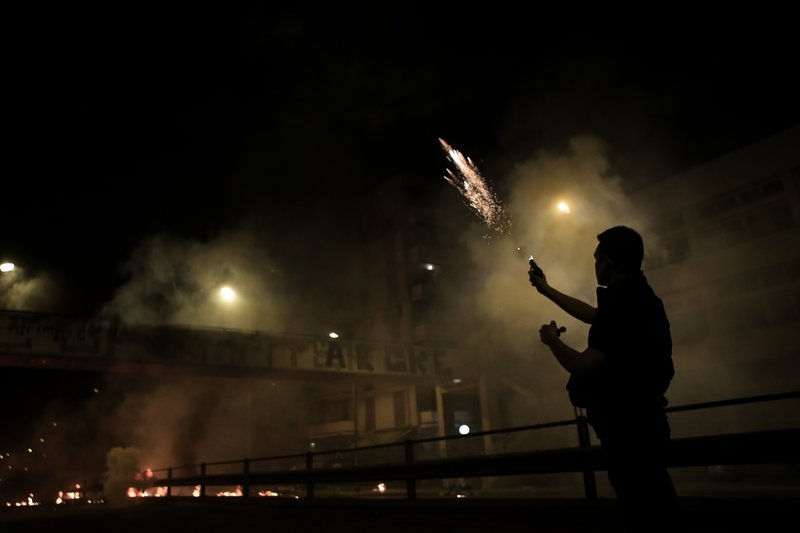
point(756, 447)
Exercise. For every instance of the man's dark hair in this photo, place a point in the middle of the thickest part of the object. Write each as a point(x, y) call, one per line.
point(624, 247)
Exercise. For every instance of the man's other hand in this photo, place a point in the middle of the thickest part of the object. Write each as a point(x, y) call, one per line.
point(549, 332)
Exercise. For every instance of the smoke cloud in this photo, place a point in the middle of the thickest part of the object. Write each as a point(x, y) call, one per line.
point(179, 421)
point(183, 421)
point(563, 245)
point(159, 420)
point(122, 464)
point(29, 292)
point(178, 281)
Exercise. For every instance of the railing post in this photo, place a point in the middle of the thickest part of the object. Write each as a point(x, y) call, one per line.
point(584, 440)
point(169, 477)
point(202, 479)
point(246, 484)
point(309, 481)
point(411, 483)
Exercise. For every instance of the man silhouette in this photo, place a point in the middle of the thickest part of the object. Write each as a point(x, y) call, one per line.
point(622, 377)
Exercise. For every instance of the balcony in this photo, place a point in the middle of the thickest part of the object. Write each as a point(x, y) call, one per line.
point(332, 429)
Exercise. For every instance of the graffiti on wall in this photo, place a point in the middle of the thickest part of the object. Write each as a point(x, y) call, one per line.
point(33, 334)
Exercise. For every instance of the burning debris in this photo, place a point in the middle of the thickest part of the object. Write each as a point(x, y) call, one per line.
point(155, 492)
point(234, 493)
point(70, 495)
point(29, 502)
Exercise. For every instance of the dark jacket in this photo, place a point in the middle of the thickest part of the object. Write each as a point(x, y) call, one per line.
point(632, 330)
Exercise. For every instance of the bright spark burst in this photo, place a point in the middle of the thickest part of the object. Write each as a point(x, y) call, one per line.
point(470, 183)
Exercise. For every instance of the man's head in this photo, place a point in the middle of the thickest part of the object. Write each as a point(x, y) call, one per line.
point(620, 252)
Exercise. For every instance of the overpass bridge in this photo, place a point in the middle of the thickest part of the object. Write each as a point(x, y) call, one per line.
point(39, 340)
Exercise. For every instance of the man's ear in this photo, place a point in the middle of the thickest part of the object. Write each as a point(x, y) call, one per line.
point(613, 266)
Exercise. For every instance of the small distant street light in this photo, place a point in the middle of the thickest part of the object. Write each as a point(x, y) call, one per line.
point(6, 267)
point(563, 207)
point(463, 429)
point(333, 335)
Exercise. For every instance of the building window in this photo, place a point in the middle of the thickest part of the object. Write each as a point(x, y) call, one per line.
point(400, 409)
point(673, 249)
point(420, 332)
point(426, 398)
point(772, 187)
point(329, 411)
point(769, 219)
point(369, 414)
point(715, 207)
point(720, 234)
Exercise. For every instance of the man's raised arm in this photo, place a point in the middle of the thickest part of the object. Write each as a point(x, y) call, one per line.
point(578, 309)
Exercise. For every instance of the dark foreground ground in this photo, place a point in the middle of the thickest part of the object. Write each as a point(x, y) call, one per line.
point(390, 516)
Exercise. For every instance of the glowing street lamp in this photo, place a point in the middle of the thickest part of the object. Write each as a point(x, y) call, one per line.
point(6, 267)
point(333, 335)
point(563, 207)
point(227, 294)
point(463, 429)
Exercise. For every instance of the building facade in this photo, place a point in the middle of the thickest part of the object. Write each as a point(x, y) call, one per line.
point(729, 269)
point(723, 242)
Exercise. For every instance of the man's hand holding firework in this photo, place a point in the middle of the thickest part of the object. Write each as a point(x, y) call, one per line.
point(548, 332)
point(536, 277)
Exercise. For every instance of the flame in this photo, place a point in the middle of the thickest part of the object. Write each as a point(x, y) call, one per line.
point(234, 493)
point(154, 492)
point(74, 494)
point(471, 184)
point(28, 502)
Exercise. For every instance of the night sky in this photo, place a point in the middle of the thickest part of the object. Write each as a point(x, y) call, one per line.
point(126, 123)
point(123, 123)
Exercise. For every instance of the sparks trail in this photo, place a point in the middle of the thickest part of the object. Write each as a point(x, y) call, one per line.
point(480, 197)
point(473, 187)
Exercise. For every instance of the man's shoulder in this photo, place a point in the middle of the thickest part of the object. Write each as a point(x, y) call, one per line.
point(645, 291)
point(633, 290)
point(639, 304)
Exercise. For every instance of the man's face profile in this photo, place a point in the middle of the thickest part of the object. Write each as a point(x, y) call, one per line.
point(602, 267)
